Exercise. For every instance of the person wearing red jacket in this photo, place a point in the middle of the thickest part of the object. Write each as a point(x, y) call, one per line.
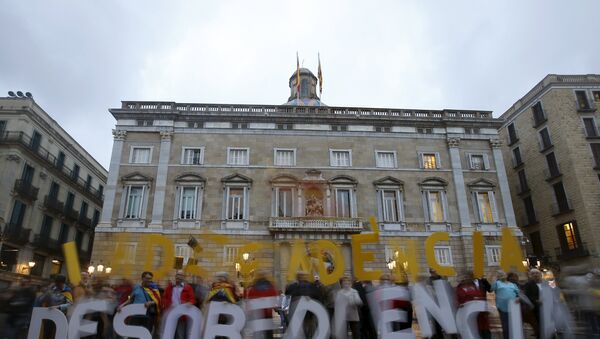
point(260, 288)
point(470, 289)
point(177, 294)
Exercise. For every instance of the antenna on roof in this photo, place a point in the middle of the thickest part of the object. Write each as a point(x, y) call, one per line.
point(20, 94)
point(11, 94)
point(28, 94)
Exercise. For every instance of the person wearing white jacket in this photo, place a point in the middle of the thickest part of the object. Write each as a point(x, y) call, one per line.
point(349, 296)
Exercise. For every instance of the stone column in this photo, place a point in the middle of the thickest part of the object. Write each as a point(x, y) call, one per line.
point(459, 182)
point(113, 178)
point(509, 212)
point(158, 205)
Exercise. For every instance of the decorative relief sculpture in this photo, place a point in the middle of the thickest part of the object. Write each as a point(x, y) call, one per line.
point(314, 202)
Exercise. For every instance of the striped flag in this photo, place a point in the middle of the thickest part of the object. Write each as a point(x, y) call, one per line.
point(320, 76)
point(297, 76)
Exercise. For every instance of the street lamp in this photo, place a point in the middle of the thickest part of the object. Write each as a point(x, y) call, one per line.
point(98, 269)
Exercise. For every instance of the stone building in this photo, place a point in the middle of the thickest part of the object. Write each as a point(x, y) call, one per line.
point(552, 156)
point(51, 192)
point(300, 171)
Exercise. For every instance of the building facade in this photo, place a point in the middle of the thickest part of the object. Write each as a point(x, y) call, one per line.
point(552, 156)
point(223, 176)
point(51, 192)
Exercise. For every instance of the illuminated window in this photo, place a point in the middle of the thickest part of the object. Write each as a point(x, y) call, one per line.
point(485, 206)
point(429, 161)
point(569, 232)
point(435, 207)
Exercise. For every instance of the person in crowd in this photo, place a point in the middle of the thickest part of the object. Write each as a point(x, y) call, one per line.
point(99, 289)
point(350, 297)
point(302, 287)
point(60, 294)
point(506, 292)
point(470, 289)
point(145, 293)
point(329, 293)
point(200, 291)
point(123, 290)
point(83, 289)
point(178, 294)
point(367, 329)
point(19, 307)
point(262, 287)
point(222, 289)
point(283, 309)
point(531, 289)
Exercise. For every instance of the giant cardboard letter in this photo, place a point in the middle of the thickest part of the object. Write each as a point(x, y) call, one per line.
point(442, 312)
point(52, 314)
point(79, 327)
point(232, 330)
point(305, 304)
point(171, 317)
point(128, 330)
point(511, 255)
point(167, 259)
point(383, 315)
point(359, 256)
point(255, 309)
point(466, 317)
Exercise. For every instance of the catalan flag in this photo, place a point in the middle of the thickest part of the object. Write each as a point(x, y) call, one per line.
point(320, 76)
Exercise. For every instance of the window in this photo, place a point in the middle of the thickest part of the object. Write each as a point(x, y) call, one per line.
point(235, 204)
point(46, 228)
point(188, 200)
point(385, 159)
point(88, 182)
point(493, 255)
point(443, 255)
point(60, 160)
point(340, 158)
point(70, 201)
point(284, 157)
point(236, 189)
point(342, 203)
point(523, 185)
point(284, 202)
point(134, 202)
point(486, 207)
point(529, 210)
point(95, 218)
point(18, 214)
point(75, 172)
point(27, 176)
point(596, 154)
point(36, 140)
point(192, 156)
point(390, 205)
point(63, 236)
point(2, 128)
point(536, 243)
point(230, 254)
point(100, 190)
point(568, 235)
point(517, 160)
point(54, 189)
point(237, 156)
point(590, 127)
point(430, 160)
point(512, 134)
point(553, 170)
point(478, 162)
point(140, 155)
point(435, 207)
point(582, 100)
point(83, 210)
point(538, 114)
point(596, 95)
point(183, 253)
point(562, 203)
point(545, 141)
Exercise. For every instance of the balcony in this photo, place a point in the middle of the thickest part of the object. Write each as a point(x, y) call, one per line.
point(47, 244)
point(16, 234)
point(71, 214)
point(562, 207)
point(85, 221)
point(578, 252)
point(311, 224)
point(54, 205)
point(25, 190)
point(43, 155)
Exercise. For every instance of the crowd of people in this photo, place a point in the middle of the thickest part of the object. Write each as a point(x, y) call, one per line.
point(16, 303)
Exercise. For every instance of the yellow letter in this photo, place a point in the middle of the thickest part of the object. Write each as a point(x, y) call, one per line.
point(478, 269)
point(167, 262)
point(511, 252)
point(359, 256)
point(430, 254)
point(72, 260)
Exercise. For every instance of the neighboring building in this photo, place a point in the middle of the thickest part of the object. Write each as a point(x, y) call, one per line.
point(553, 164)
point(301, 170)
point(51, 191)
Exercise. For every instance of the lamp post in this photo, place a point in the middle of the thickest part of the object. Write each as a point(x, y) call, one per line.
point(98, 269)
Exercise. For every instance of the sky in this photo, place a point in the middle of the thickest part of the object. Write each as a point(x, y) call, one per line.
point(81, 57)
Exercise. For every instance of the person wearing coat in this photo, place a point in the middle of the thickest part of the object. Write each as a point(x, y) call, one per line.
point(178, 294)
point(351, 298)
point(470, 289)
point(261, 288)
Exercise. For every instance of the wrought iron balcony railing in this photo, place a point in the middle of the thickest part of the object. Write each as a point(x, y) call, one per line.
point(25, 190)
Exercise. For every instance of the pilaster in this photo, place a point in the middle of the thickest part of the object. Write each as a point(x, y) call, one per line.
point(509, 212)
point(161, 179)
point(459, 182)
point(113, 178)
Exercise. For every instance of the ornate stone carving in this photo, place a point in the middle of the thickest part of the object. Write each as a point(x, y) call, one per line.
point(13, 157)
point(43, 174)
point(453, 142)
point(119, 134)
point(166, 135)
point(495, 143)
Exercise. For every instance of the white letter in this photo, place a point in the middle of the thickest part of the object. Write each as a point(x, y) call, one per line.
point(442, 313)
point(232, 330)
point(515, 323)
point(383, 316)
point(130, 331)
point(171, 317)
point(306, 304)
point(466, 318)
point(78, 326)
point(53, 314)
point(255, 309)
